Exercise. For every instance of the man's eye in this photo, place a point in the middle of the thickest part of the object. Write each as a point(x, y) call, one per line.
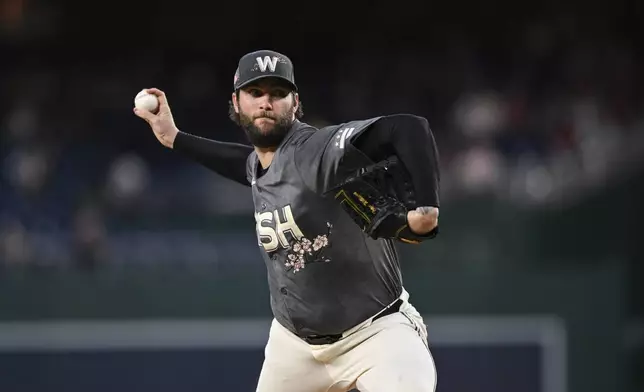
point(280, 93)
point(255, 93)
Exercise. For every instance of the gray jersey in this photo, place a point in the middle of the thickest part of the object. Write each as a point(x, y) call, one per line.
point(325, 275)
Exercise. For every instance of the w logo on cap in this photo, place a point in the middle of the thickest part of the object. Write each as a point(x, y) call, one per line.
point(261, 64)
point(267, 62)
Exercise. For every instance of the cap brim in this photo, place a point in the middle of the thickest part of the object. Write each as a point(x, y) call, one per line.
point(256, 78)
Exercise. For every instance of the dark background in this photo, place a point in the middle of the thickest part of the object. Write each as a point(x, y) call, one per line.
point(537, 108)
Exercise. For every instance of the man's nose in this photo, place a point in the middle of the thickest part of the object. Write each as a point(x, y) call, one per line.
point(265, 102)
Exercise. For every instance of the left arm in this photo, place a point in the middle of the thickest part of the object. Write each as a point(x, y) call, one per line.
point(411, 140)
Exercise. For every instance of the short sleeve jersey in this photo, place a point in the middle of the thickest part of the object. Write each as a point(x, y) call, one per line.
point(324, 274)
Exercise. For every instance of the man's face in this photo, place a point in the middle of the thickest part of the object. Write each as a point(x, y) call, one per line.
point(266, 111)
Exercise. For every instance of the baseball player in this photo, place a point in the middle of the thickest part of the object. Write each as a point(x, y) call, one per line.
point(330, 204)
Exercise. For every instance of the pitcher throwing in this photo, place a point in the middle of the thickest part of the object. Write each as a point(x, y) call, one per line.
point(330, 204)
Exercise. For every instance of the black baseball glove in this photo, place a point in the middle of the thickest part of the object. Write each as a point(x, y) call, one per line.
point(377, 198)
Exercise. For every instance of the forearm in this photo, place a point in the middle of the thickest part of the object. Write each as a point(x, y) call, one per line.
point(224, 158)
point(411, 140)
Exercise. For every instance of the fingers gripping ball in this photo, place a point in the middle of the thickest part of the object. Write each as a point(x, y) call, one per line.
point(146, 101)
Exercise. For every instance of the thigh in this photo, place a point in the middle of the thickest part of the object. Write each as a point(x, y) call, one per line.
point(289, 365)
point(396, 359)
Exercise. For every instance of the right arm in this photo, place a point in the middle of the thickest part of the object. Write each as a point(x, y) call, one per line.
point(226, 159)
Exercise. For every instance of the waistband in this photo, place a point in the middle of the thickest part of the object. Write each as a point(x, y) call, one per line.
point(330, 339)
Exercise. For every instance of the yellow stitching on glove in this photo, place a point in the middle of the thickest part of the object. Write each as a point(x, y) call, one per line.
point(365, 202)
point(352, 204)
point(405, 239)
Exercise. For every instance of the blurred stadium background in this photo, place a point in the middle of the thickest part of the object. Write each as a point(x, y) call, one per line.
point(124, 266)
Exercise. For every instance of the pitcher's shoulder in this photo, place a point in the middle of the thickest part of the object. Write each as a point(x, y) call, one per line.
point(314, 138)
point(301, 133)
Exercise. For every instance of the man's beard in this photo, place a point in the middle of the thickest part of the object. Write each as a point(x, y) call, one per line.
point(269, 139)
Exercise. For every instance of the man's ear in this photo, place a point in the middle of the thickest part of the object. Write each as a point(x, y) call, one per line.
point(235, 103)
point(296, 102)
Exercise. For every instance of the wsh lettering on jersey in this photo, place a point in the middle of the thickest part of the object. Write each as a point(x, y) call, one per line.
point(278, 229)
point(272, 228)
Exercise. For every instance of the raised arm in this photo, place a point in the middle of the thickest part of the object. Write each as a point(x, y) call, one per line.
point(226, 159)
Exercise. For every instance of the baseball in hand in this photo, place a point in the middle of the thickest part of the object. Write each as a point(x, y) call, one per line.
point(146, 101)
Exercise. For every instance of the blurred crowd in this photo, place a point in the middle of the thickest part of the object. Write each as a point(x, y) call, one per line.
point(84, 182)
